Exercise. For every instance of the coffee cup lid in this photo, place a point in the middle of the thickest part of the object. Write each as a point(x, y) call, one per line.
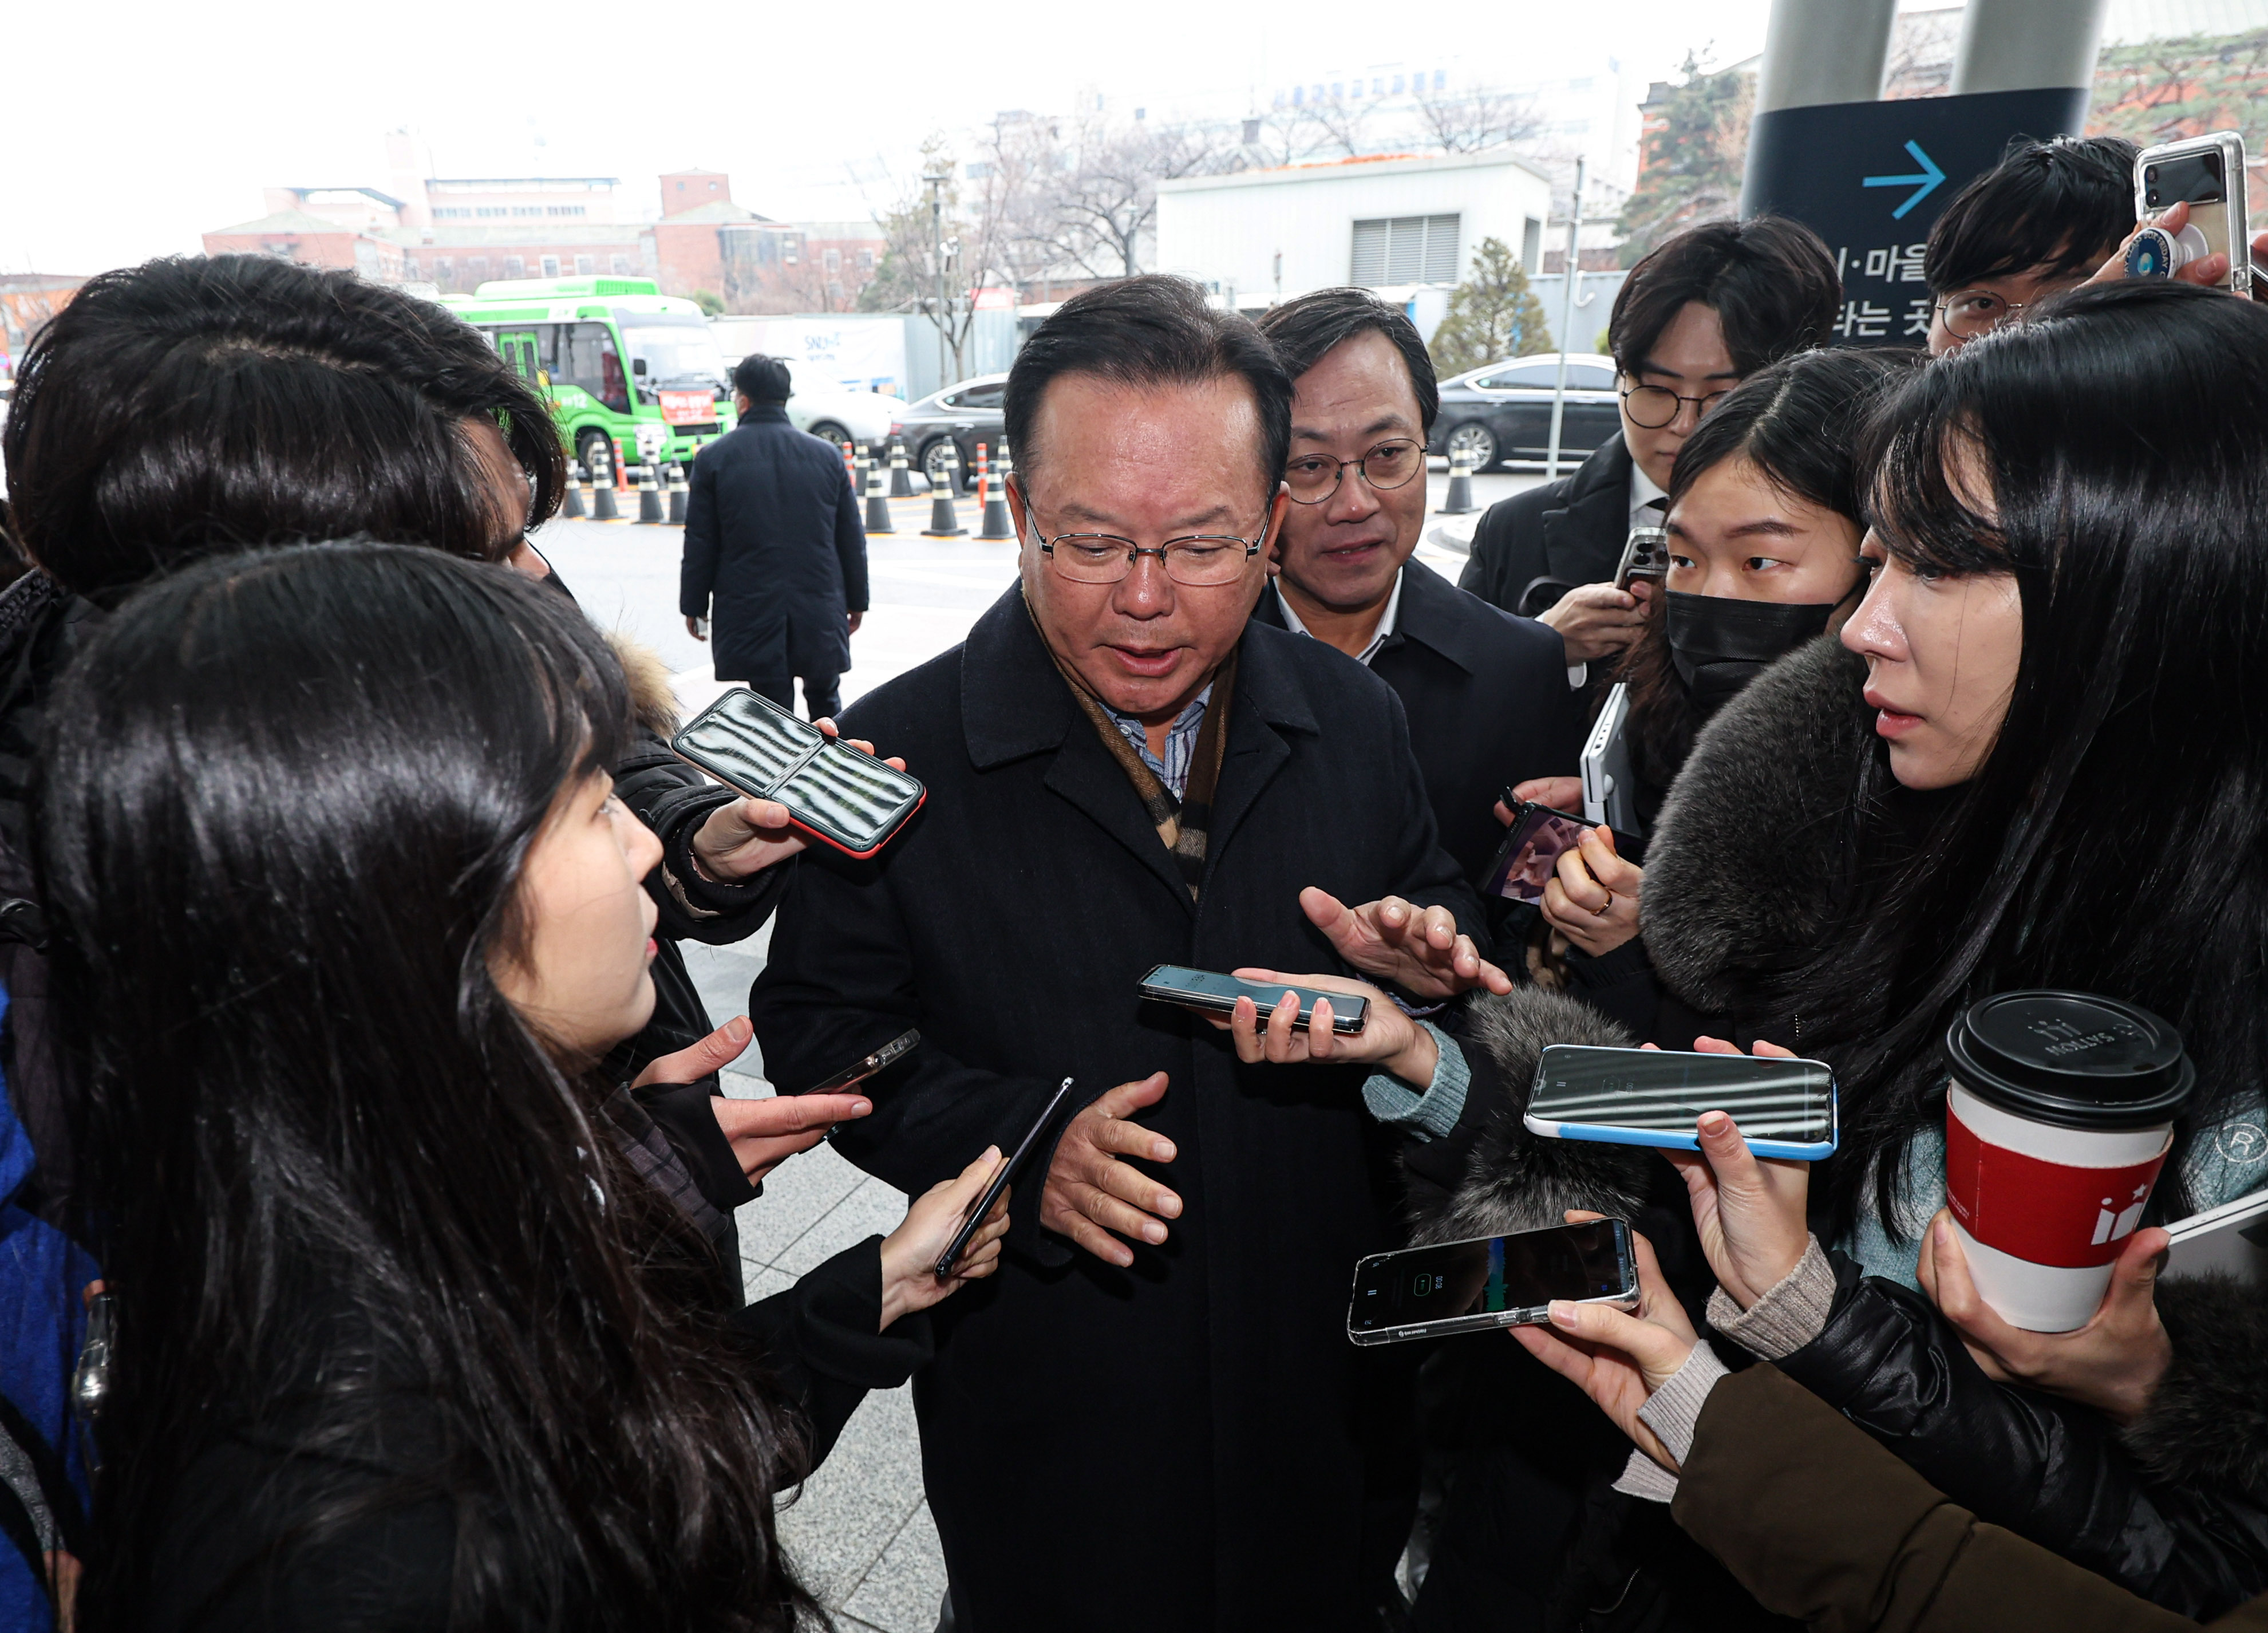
point(2072, 1058)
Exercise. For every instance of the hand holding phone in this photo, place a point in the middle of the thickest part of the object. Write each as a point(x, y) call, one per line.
point(1291, 1033)
point(1490, 1281)
point(1749, 1210)
point(2190, 195)
point(1591, 897)
point(1655, 1098)
point(945, 1213)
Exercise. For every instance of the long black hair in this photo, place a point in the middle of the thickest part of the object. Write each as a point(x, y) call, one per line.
point(1798, 421)
point(191, 407)
point(2116, 840)
point(288, 798)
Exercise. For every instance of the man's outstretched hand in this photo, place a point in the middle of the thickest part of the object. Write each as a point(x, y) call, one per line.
point(1420, 949)
point(1090, 1192)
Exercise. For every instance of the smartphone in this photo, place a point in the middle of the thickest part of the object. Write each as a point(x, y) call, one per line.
point(1529, 858)
point(2207, 174)
point(2232, 1238)
point(1002, 1179)
point(861, 1070)
point(1645, 555)
point(837, 795)
point(1654, 1097)
point(1492, 1281)
point(1609, 786)
point(1210, 992)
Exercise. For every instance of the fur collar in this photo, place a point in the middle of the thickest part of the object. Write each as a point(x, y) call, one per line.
point(653, 698)
point(1742, 861)
point(2207, 1424)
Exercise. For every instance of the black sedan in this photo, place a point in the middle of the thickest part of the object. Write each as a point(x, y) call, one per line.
point(1502, 413)
point(958, 418)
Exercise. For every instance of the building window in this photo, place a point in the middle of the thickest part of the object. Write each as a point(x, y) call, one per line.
point(1405, 250)
point(551, 266)
point(866, 261)
point(477, 267)
point(1397, 84)
point(1531, 246)
point(833, 261)
point(1440, 78)
point(514, 267)
point(586, 263)
point(622, 263)
point(443, 269)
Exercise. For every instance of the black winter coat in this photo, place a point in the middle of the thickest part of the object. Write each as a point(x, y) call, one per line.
point(775, 550)
point(1177, 1444)
point(1533, 548)
point(1487, 699)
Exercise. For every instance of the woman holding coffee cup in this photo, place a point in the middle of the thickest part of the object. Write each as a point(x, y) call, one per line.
point(2039, 766)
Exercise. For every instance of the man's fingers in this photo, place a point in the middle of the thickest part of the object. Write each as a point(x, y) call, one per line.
point(1132, 1187)
point(1116, 1212)
point(1772, 1050)
point(1327, 912)
point(1124, 1137)
point(720, 1049)
point(1131, 1097)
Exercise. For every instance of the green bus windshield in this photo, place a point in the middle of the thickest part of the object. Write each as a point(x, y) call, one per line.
point(675, 350)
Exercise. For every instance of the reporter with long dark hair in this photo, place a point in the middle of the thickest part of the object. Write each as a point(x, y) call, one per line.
point(346, 913)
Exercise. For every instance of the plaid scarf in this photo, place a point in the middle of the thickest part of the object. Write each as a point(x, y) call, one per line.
point(1181, 823)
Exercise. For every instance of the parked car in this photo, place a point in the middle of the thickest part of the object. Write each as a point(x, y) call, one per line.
point(828, 409)
point(959, 417)
point(1502, 413)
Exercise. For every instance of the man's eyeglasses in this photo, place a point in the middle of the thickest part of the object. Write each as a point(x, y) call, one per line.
point(1199, 560)
point(1656, 406)
point(1975, 312)
point(1314, 477)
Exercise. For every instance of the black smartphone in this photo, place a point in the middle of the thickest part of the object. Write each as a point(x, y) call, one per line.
point(1002, 1179)
point(1492, 1281)
point(866, 1066)
point(1211, 992)
point(1529, 856)
point(1645, 555)
point(837, 795)
point(1785, 1107)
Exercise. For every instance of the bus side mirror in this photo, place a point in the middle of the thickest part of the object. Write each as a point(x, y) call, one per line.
point(637, 365)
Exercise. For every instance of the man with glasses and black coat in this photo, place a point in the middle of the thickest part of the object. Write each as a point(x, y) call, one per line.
point(1704, 310)
point(1151, 1417)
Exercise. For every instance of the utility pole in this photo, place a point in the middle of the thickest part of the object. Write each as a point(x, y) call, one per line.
point(937, 179)
point(1566, 320)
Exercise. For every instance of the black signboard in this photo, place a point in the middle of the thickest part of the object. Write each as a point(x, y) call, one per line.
point(1871, 177)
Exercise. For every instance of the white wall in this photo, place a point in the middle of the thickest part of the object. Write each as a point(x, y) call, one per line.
point(1228, 229)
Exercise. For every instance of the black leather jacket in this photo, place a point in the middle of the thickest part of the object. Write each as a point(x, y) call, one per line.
point(2171, 1509)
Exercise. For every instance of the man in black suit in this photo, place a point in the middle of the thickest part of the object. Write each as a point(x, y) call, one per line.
point(1151, 1417)
point(774, 543)
point(1486, 694)
point(1706, 309)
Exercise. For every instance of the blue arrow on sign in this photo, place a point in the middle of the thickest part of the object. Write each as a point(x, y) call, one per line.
point(1923, 184)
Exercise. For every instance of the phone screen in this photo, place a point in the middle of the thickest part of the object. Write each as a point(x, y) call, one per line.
point(1172, 982)
point(1665, 1091)
point(2198, 179)
point(1529, 855)
point(1488, 1276)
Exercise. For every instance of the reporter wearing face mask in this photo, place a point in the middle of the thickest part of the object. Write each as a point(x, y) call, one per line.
point(1764, 557)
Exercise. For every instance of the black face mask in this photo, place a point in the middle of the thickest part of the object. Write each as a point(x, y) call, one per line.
point(1719, 643)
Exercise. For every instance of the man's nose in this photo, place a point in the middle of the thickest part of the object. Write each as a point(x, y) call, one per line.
point(1146, 591)
point(1355, 499)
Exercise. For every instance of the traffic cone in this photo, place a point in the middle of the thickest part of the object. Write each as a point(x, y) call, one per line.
point(571, 503)
point(850, 466)
point(602, 488)
point(1459, 501)
point(649, 494)
point(679, 491)
point(992, 502)
point(902, 480)
point(944, 521)
point(878, 506)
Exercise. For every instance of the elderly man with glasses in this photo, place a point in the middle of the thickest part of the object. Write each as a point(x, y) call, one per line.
point(1151, 1417)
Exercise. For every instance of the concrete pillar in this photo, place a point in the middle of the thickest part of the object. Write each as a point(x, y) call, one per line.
point(2026, 45)
point(1824, 51)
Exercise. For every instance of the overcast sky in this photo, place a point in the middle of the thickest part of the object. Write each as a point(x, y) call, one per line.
point(137, 126)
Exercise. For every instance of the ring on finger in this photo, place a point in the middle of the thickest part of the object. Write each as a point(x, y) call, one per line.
point(1600, 910)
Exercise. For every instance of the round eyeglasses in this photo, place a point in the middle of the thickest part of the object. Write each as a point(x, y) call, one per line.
point(1314, 477)
point(1653, 407)
point(1975, 312)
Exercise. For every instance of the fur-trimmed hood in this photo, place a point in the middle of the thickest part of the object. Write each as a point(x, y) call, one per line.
point(653, 698)
point(1744, 858)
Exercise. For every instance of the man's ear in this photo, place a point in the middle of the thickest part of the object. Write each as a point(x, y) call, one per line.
point(740, 405)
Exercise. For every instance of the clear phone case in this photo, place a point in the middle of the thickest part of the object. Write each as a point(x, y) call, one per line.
point(850, 801)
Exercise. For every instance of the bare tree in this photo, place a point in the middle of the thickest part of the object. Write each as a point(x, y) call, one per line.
point(941, 244)
point(1096, 207)
point(1466, 121)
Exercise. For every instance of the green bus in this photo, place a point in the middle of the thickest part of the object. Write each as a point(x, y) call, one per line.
point(612, 355)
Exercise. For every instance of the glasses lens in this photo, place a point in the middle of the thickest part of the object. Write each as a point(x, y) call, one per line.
point(1201, 561)
point(1091, 557)
point(1974, 310)
point(1390, 464)
point(1311, 477)
point(1651, 406)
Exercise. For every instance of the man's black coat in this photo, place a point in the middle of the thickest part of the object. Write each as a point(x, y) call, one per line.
point(774, 551)
point(1533, 548)
point(1173, 1445)
point(1487, 700)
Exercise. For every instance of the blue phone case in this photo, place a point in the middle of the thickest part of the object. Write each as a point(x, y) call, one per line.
point(1784, 1104)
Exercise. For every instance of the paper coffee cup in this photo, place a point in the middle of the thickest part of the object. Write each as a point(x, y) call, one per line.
point(2060, 1114)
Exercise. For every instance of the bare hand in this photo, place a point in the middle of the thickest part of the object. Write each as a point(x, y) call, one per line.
point(1090, 1192)
point(1592, 899)
point(855, 620)
point(1388, 1038)
point(763, 1133)
point(693, 628)
point(2113, 1364)
point(740, 840)
point(1749, 1210)
point(1597, 620)
point(2206, 270)
point(1418, 948)
point(1561, 794)
point(1619, 1360)
point(910, 1253)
